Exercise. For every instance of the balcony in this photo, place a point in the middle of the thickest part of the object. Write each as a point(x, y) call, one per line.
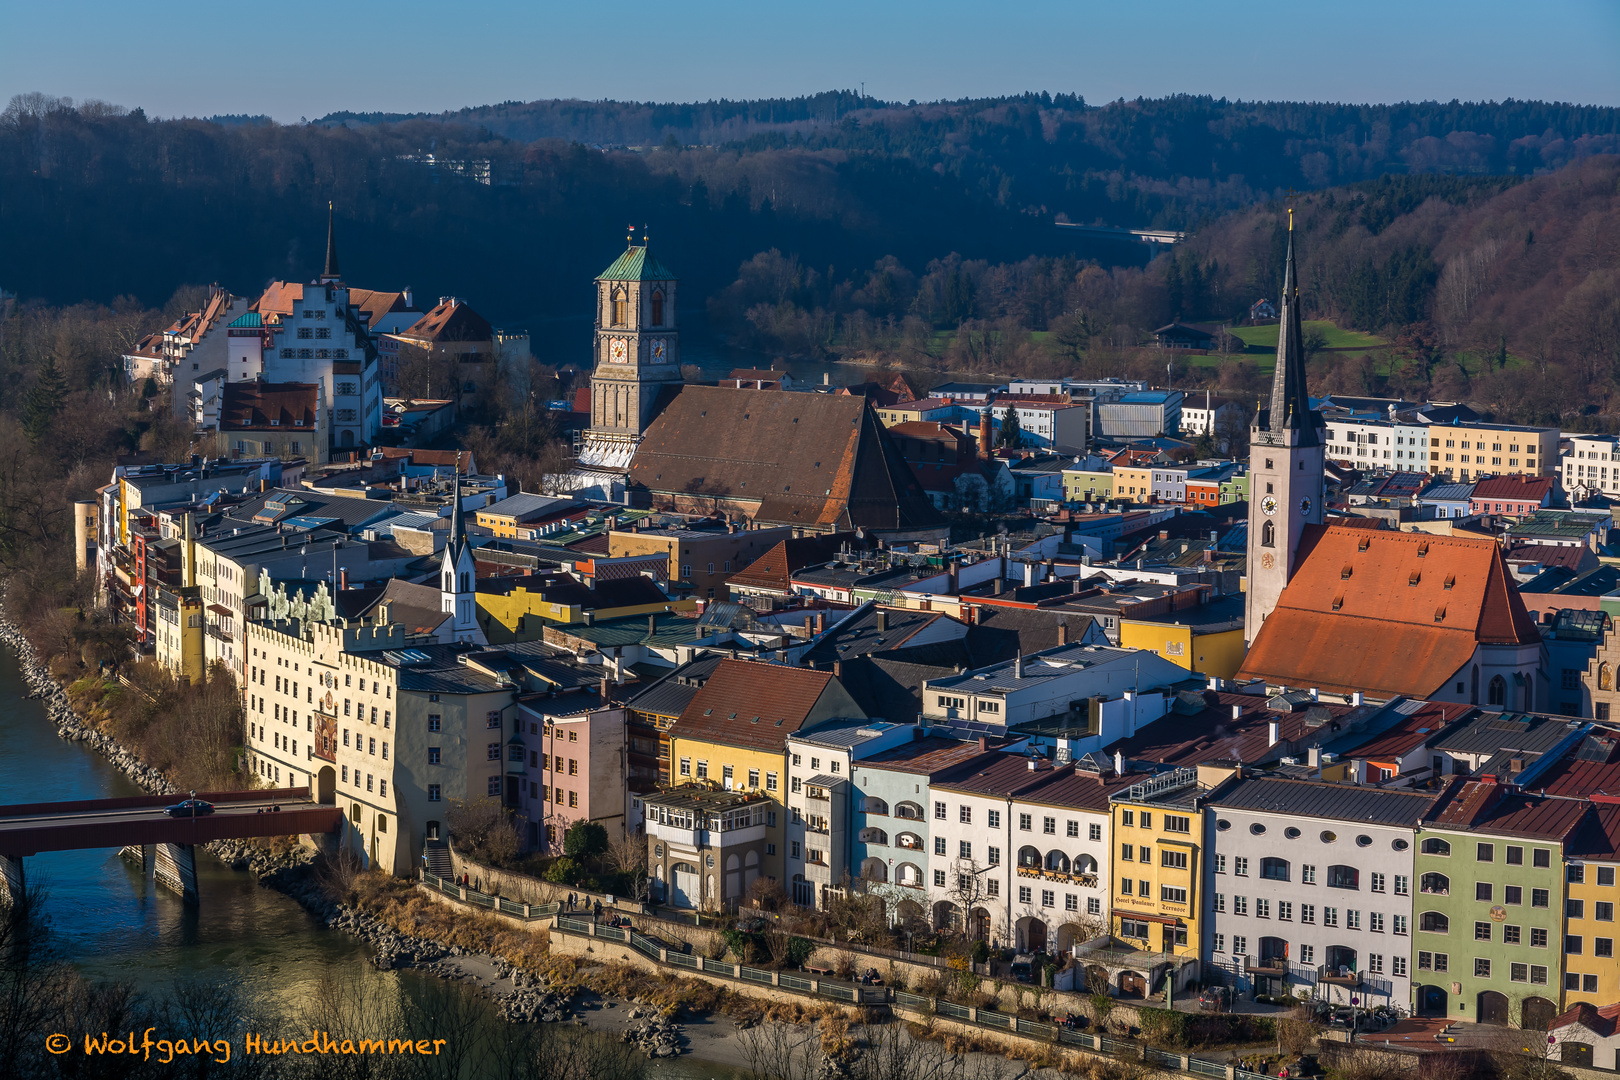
point(1339, 976)
point(1275, 967)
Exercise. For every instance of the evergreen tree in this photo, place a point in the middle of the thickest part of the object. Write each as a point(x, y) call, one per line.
point(1010, 434)
point(1501, 352)
point(44, 400)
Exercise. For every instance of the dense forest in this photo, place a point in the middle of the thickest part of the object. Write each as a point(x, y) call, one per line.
point(97, 201)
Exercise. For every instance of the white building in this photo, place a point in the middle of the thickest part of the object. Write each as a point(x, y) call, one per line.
point(1308, 887)
point(1592, 466)
point(820, 801)
point(1055, 682)
point(1206, 414)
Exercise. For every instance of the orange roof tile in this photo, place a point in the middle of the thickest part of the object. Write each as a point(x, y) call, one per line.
point(1387, 612)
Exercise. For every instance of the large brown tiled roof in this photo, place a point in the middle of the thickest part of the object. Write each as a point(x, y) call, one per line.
point(819, 460)
point(279, 297)
point(251, 406)
point(1387, 612)
point(1212, 734)
point(752, 704)
point(451, 320)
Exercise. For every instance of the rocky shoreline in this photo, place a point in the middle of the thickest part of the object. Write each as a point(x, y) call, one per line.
point(522, 997)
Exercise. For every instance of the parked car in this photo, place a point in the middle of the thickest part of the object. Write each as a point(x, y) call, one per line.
point(1215, 999)
point(1023, 968)
point(189, 808)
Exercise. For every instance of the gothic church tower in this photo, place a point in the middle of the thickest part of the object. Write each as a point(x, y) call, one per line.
point(637, 352)
point(1286, 457)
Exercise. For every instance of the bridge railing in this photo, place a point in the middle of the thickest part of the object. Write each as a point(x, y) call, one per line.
point(467, 894)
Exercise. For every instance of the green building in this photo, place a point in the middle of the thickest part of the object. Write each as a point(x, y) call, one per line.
point(1487, 927)
point(1236, 489)
point(1079, 484)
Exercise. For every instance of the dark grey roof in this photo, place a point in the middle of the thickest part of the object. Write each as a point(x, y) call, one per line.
point(351, 512)
point(1320, 799)
point(858, 635)
point(670, 695)
point(437, 669)
point(1496, 731)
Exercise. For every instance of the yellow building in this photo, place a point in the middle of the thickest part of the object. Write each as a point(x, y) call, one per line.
point(733, 733)
point(1156, 864)
point(1207, 639)
point(1133, 482)
point(1591, 869)
point(1469, 451)
point(178, 634)
point(940, 409)
point(1080, 483)
point(519, 608)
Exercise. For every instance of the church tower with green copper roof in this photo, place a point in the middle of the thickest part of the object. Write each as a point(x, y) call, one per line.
point(638, 351)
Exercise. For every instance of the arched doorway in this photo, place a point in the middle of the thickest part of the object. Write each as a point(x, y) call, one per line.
point(1493, 1008)
point(1031, 934)
point(946, 916)
point(908, 915)
point(326, 785)
point(1537, 1014)
point(1069, 935)
point(1434, 1001)
point(685, 892)
point(346, 440)
point(1132, 984)
point(979, 924)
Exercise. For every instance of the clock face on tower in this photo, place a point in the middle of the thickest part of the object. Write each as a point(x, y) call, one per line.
point(1269, 505)
point(658, 351)
point(1305, 505)
point(616, 350)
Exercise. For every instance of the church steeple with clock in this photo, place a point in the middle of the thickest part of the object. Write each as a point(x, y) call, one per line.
point(637, 349)
point(1286, 457)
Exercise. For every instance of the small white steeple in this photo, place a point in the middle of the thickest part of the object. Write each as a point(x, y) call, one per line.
point(458, 579)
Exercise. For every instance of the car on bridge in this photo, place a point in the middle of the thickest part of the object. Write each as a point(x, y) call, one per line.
point(189, 808)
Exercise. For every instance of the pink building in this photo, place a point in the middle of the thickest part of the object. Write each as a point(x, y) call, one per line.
point(576, 769)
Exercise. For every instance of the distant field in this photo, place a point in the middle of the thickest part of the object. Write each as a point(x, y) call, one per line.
point(1266, 336)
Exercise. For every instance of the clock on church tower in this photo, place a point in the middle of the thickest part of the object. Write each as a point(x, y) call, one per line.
point(637, 344)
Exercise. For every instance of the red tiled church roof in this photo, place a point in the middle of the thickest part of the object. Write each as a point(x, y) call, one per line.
point(1387, 612)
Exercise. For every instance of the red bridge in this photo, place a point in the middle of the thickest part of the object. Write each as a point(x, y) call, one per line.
point(167, 843)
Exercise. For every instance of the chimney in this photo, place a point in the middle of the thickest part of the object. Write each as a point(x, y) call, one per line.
point(652, 625)
point(1029, 574)
point(1063, 631)
point(1032, 764)
point(984, 745)
point(1316, 694)
point(1018, 666)
point(882, 620)
point(821, 621)
point(343, 578)
point(602, 689)
point(1355, 698)
point(1237, 712)
point(1273, 730)
point(1314, 757)
point(1119, 763)
point(809, 623)
point(838, 669)
point(590, 618)
point(826, 378)
point(984, 433)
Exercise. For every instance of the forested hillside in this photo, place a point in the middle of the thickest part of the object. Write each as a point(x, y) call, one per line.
point(97, 201)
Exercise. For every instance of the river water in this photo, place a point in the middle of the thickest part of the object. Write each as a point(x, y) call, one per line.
point(116, 926)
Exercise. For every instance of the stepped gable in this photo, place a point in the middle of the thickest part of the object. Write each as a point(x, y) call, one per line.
point(1387, 612)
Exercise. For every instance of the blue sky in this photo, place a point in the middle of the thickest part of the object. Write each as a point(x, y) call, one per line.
point(294, 58)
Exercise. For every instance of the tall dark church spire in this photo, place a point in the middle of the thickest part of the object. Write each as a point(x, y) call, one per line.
point(1290, 399)
point(331, 272)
